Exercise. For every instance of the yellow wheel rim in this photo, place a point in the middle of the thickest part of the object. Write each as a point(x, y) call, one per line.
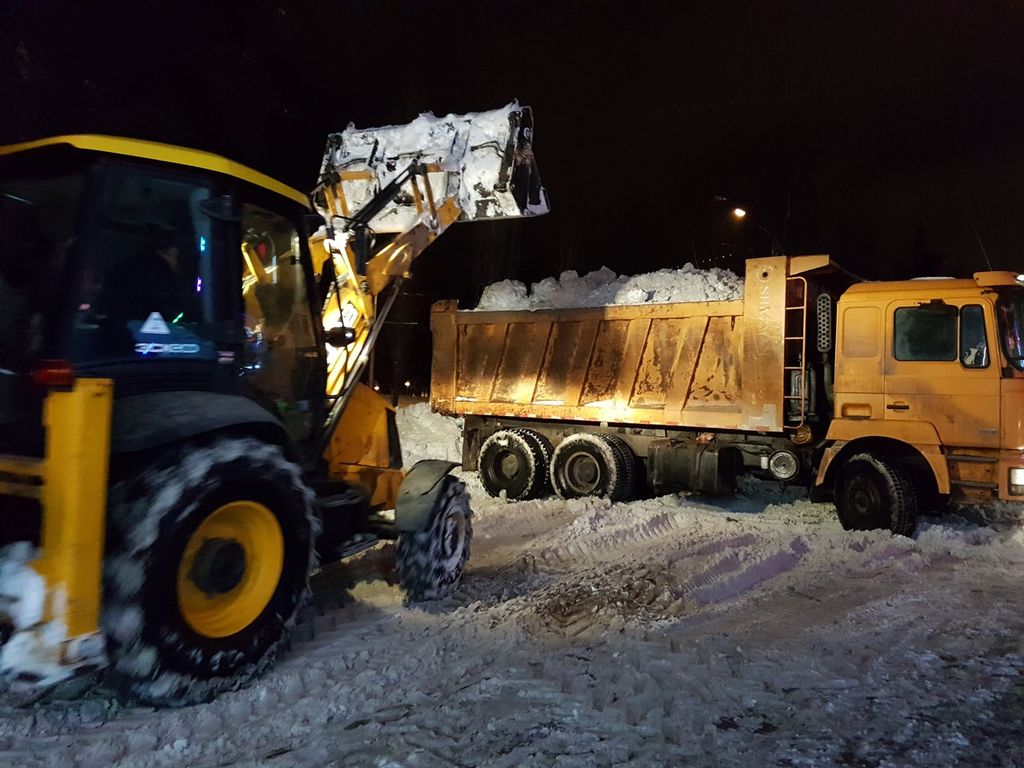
point(230, 568)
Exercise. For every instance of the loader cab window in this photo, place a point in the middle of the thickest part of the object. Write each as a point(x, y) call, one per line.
point(146, 269)
point(280, 357)
point(38, 218)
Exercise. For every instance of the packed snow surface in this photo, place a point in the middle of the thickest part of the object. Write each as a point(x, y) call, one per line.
point(603, 287)
point(748, 631)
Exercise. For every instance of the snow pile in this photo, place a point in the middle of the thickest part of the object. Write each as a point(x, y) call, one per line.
point(603, 287)
point(427, 435)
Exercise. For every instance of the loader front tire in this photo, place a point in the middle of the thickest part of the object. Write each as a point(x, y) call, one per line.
point(211, 547)
point(430, 563)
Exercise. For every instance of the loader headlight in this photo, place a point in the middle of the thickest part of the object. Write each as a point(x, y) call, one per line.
point(783, 465)
point(1017, 481)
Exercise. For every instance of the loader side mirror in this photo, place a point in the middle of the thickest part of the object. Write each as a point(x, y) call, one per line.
point(339, 335)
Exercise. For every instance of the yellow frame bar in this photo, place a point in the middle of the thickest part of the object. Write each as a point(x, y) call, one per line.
point(74, 496)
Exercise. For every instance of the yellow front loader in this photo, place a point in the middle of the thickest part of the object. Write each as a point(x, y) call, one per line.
point(183, 431)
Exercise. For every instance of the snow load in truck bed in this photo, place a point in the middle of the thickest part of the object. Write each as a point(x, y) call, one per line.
point(603, 287)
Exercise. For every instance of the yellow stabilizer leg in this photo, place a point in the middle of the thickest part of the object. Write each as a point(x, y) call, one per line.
point(65, 633)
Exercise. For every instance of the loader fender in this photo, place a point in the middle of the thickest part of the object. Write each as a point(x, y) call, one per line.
point(419, 493)
point(153, 420)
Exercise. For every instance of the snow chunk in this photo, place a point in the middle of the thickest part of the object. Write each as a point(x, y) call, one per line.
point(427, 435)
point(603, 287)
point(22, 589)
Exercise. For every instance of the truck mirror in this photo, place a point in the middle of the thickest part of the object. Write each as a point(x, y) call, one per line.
point(339, 335)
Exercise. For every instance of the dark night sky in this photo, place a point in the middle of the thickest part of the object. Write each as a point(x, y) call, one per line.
point(885, 127)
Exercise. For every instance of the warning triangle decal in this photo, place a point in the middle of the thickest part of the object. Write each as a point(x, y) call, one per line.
point(155, 324)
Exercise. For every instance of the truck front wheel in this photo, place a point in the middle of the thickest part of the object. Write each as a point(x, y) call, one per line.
point(873, 494)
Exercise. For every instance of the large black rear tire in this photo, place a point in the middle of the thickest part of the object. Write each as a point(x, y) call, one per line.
point(587, 464)
point(514, 462)
point(626, 488)
point(874, 494)
point(211, 547)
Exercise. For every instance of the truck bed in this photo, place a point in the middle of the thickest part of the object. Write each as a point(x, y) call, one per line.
point(714, 365)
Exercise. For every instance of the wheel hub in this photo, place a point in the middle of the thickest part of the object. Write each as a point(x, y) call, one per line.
point(230, 568)
point(863, 498)
point(507, 465)
point(582, 473)
point(219, 566)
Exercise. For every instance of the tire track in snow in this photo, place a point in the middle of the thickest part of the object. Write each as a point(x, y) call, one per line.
point(717, 589)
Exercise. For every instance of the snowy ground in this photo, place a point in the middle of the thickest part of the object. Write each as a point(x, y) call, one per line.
point(673, 631)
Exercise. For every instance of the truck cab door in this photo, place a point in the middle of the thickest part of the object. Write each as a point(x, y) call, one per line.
point(938, 369)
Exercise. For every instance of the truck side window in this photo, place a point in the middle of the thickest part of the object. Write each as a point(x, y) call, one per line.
point(973, 344)
point(281, 357)
point(926, 332)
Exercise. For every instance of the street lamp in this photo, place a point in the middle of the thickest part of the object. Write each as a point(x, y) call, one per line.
point(773, 241)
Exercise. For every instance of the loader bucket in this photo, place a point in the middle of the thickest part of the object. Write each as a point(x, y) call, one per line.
point(482, 160)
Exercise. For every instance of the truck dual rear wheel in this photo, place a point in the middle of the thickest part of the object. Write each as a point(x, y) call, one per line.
point(586, 464)
point(515, 462)
point(211, 551)
point(873, 493)
point(430, 563)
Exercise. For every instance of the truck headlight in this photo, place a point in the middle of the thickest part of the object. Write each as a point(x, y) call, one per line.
point(1017, 481)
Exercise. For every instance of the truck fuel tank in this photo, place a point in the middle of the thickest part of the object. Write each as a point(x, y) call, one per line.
point(689, 465)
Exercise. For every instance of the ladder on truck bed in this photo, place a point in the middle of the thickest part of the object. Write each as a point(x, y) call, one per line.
point(794, 365)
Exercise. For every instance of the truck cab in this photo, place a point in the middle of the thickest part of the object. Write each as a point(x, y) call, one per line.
point(933, 369)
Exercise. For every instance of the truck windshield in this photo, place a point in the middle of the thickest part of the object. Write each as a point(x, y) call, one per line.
point(38, 217)
point(1011, 327)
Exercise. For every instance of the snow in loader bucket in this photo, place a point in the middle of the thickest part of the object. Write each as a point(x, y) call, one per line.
point(482, 159)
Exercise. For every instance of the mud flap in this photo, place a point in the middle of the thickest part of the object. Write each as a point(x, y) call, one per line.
point(419, 493)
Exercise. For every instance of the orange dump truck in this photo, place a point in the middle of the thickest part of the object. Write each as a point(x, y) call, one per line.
point(890, 397)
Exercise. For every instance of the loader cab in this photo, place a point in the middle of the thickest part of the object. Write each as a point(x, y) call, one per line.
point(164, 269)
